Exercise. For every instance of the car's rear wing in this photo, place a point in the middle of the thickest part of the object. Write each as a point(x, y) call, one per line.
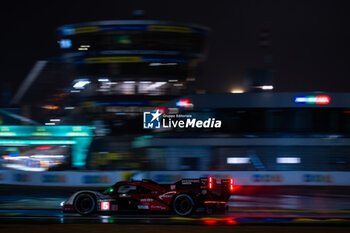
point(226, 186)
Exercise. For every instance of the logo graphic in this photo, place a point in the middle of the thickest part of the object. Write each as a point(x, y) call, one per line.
point(151, 120)
point(267, 178)
point(317, 178)
point(92, 179)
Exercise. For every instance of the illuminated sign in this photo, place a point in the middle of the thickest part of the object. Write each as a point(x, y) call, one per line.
point(319, 99)
point(46, 131)
point(184, 103)
point(37, 142)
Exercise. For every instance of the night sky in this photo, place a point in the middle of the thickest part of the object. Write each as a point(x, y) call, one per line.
point(310, 39)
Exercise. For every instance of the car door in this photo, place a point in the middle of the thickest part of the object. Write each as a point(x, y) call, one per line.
point(124, 196)
point(148, 198)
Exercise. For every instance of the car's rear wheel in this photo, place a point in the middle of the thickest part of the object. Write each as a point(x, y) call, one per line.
point(183, 205)
point(85, 204)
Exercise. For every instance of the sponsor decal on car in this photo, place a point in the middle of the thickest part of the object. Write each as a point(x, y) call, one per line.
point(157, 207)
point(147, 200)
point(142, 207)
point(165, 196)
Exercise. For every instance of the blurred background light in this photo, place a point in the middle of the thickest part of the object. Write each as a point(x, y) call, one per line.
point(238, 160)
point(288, 160)
point(81, 84)
point(65, 43)
point(237, 90)
point(319, 99)
point(267, 87)
point(184, 103)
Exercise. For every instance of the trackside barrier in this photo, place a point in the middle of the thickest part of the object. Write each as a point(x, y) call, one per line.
point(254, 178)
point(63, 178)
point(103, 179)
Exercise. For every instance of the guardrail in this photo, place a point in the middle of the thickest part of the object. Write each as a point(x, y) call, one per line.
point(255, 178)
point(63, 178)
point(107, 178)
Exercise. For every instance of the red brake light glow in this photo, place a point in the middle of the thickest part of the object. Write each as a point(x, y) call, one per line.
point(231, 185)
point(210, 183)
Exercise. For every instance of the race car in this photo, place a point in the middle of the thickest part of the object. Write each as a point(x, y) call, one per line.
point(184, 197)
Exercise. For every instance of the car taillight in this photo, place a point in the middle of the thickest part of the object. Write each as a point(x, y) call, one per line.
point(210, 182)
point(231, 185)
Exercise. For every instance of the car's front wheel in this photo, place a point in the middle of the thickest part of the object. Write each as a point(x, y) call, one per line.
point(85, 204)
point(183, 205)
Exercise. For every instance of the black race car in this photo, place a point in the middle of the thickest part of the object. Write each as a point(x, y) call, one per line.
point(183, 197)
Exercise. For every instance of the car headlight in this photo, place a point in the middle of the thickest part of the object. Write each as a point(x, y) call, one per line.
point(62, 203)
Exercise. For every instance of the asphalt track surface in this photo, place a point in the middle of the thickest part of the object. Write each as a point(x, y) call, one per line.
point(250, 210)
point(151, 228)
point(163, 223)
point(230, 218)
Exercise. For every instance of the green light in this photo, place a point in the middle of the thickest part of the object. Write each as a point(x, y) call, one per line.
point(111, 190)
point(37, 142)
point(79, 136)
point(111, 220)
point(45, 131)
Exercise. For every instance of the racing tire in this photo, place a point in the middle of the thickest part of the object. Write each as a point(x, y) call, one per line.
point(85, 204)
point(183, 205)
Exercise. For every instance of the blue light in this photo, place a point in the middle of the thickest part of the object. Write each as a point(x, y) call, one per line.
point(65, 43)
point(300, 99)
point(319, 99)
point(68, 31)
point(184, 103)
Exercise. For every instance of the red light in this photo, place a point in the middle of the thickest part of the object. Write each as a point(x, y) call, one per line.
point(210, 182)
point(323, 99)
point(231, 221)
point(231, 185)
point(215, 202)
point(184, 103)
point(43, 147)
point(104, 205)
point(209, 222)
point(161, 109)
